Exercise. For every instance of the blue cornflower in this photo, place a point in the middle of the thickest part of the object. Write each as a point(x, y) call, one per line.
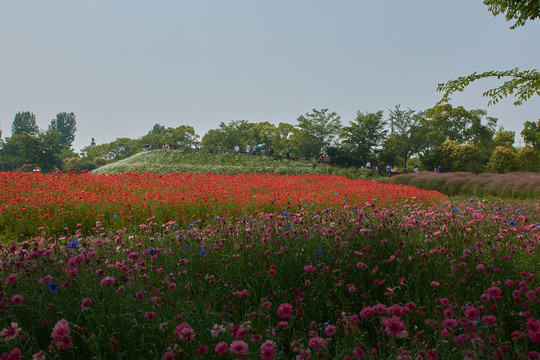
point(326, 324)
point(180, 238)
point(175, 228)
point(73, 244)
point(53, 287)
point(217, 218)
point(186, 246)
point(455, 208)
point(195, 222)
point(443, 204)
point(115, 217)
point(319, 251)
point(202, 252)
point(496, 208)
point(518, 210)
point(471, 200)
point(355, 210)
point(285, 213)
point(477, 321)
point(512, 223)
point(537, 224)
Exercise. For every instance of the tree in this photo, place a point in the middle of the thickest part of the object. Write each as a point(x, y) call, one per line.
point(320, 128)
point(521, 11)
point(406, 138)
point(503, 160)
point(531, 134)
point(363, 137)
point(65, 124)
point(24, 122)
point(156, 129)
point(528, 159)
point(521, 84)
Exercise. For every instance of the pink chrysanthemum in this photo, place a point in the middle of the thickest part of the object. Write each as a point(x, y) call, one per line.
point(239, 347)
point(394, 325)
point(284, 310)
point(222, 347)
point(60, 334)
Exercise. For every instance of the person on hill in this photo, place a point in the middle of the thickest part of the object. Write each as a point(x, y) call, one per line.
point(368, 165)
point(288, 153)
point(248, 148)
point(388, 169)
point(271, 151)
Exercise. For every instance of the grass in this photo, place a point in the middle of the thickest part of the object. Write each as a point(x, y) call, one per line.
point(191, 161)
point(517, 185)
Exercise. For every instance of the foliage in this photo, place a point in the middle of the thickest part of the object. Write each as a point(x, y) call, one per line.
point(528, 159)
point(502, 160)
point(316, 132)
point(363, 137)
point(456, 157)
point(531, 134)
point(521, 11)
point(65, 124)
point(24, 122)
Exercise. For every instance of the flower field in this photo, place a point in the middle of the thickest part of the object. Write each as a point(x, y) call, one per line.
point(262, 266)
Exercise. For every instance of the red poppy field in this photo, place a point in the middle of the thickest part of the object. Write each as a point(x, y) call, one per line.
point(173, 266)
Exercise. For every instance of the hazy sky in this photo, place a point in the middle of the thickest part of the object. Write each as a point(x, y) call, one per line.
point(122, 66)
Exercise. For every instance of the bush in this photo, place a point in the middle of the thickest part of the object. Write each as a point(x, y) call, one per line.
point(503, 160)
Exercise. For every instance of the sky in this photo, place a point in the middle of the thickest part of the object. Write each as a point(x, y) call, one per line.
point(122, 66)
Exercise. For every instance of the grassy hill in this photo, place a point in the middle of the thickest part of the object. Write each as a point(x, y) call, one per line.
point(167, 161)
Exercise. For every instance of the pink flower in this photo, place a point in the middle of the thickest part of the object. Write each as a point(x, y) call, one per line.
point(285, 310)
point(45, 280)
point(11, 332)
point(169, 355)
point(17, 299)
point(239, 347)
point(358, 353)
point(221, 348)
point(15, 354)
point(394, 325)
point(184, 332)
point(330, 330)
point(495, 292)
point(435, 283)
point(202, 350)
point(60, 333)
point(11, 279)
point(268, 350)
point(450, 323)
point(85, 303)
point(272, 272)
point(489, 319)
point(150, 315)
point(471, 313)
point(108, 280)
point(533, 327)
point(317, 342)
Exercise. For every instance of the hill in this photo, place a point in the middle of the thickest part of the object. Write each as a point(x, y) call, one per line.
point(168, 161)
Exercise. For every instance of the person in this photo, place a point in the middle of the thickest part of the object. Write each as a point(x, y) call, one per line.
point(197, 145)
point(173, 146)
point(416, 169)
point(440, 169)
point(327, 159)
point(368, 165)
point(436, 170)
point(218, 148)
point(271, 151)
point(254, 149)
point(388, 169)
point(288, 153)
point(248, 148)
point(321, 158)
point(236, 148)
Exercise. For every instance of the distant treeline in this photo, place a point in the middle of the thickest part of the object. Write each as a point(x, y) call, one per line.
point(454, 138)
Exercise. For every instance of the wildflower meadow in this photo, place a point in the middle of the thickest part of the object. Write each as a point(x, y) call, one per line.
point(262, 266)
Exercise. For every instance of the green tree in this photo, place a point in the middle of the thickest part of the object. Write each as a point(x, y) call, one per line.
point(24, 122)
point(320, 128)
point(522, 84)
point(531, 134)
point(528, 159)
point(156, 129)
point(363, 137)
point(518, 10)
point(406, 138)
point(503, 160)
point(504, 138)
point(66, 125)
